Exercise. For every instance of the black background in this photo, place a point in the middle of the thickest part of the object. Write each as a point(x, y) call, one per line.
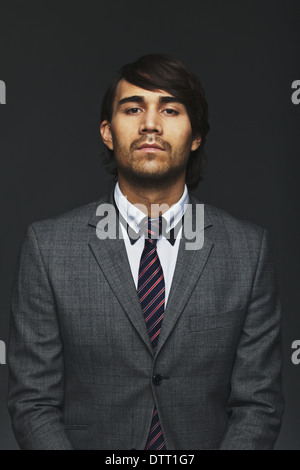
point(57, 58)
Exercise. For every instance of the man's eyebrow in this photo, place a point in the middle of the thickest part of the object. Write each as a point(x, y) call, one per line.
point(131, 99)
point(170, 99)
point(140, 99)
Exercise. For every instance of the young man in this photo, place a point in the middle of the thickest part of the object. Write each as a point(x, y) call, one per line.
point(134, 337)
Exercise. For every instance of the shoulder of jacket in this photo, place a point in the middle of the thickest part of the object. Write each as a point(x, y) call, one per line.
point(223, 219)
point(71, 219)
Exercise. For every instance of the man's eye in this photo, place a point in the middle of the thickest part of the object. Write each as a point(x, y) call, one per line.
point(133, 111)
point(170, 111)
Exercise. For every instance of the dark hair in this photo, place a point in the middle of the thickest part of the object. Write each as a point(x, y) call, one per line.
point(163, 72)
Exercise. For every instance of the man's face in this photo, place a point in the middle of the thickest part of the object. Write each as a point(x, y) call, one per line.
point(150, 134)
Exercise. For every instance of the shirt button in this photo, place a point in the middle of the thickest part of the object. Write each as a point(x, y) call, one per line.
point(157, 379)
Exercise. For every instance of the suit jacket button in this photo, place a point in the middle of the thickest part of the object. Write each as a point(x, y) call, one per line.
point(157, 379)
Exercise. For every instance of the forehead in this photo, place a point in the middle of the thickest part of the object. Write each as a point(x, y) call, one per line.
point(125, 89)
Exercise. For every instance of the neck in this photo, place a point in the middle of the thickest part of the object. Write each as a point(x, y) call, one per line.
point(152, 201)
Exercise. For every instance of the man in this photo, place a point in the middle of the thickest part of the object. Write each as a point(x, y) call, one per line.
point(143, 340)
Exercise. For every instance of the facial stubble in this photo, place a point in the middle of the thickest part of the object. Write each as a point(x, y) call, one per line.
point(163, 176)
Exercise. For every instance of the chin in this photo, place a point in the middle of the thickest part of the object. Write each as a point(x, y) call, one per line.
point(154, 179)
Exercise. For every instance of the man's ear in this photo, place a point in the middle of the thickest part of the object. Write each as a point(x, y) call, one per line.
point(106, 135)
point(196, 143)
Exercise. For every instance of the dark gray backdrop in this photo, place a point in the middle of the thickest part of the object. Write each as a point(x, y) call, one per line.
point(56, 61)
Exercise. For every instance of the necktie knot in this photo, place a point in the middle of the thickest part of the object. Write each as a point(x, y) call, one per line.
point(153, 229)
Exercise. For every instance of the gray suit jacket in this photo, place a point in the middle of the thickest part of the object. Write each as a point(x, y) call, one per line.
point(81, 364)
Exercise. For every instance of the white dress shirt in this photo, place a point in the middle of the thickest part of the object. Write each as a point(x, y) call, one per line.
point(167, 252)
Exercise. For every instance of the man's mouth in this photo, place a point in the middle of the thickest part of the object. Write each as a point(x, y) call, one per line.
point(145, 147)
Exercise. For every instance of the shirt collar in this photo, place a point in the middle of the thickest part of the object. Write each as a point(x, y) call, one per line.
point(132, 217)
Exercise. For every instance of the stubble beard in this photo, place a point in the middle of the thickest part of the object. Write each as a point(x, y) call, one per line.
point(162, 177)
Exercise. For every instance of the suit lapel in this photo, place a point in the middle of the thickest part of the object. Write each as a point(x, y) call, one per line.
point(112, 259)
point(189, 268)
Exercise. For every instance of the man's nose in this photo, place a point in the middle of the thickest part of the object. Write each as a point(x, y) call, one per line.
point(150, 123)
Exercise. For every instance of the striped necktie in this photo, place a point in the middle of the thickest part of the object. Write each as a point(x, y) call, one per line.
point(151, 292)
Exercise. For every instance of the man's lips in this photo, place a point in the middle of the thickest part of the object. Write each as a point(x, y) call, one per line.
point(150, 147)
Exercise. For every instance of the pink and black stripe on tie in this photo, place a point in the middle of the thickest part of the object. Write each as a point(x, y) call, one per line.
point(151, 292)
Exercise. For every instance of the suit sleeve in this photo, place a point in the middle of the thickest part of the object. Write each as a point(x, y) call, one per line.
point(255, 403)
point(35, 356)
